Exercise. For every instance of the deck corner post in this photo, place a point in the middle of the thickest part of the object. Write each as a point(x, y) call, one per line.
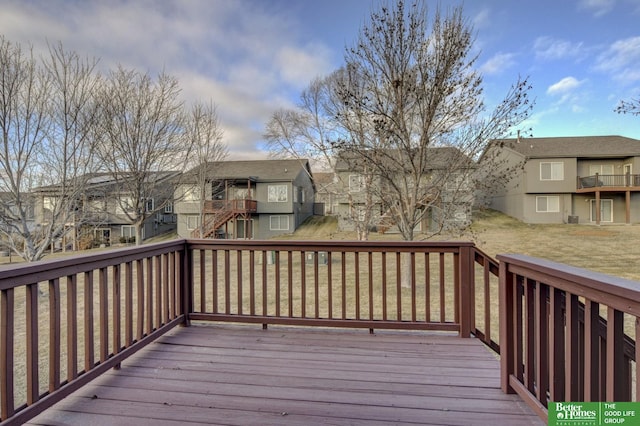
point(466, 285)
point(186, 283)
point(506, 317)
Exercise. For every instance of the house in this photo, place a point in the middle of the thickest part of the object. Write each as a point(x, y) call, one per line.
point(99, 211)
point(445, 191)
point(327, 192)
point(244, 199)
point(587, 179)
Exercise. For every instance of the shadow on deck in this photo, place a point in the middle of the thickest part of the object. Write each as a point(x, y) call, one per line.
point(239, 375)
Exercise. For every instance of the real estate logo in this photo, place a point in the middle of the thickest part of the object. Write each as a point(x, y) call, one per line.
point(570, 413)
point(593, 413)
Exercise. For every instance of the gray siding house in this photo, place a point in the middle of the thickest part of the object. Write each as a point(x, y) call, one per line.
point(590, 179)
point(245, 199)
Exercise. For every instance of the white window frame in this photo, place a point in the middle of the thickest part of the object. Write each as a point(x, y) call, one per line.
point(193, 222)
point(168, 208)
point(548, 198)
point(356, 183)
point(556, 170)
point(277, 193)
point(275, 222)
point(130, 231)
point(149, 205)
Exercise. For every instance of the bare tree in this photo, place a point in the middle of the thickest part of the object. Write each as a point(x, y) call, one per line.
point(143, 145)
point(67, 155)
point(312, 131)
point(204, 132)
point(45, 120)
point(24, 122)
point(417, 85)
point(629, 107)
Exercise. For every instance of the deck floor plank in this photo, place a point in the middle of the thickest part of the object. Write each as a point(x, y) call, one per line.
point(243, 375)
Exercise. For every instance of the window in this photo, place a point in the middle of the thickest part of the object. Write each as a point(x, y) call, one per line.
point(149, 205)
point(193, 222)
point(547, 204)
point(277, 194)
point(168, 208)
point(601, 169)
point(128, 231)
point(552, 171)
point(279, 223)
point(356, 183)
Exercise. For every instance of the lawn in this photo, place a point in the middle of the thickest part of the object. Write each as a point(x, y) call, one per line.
point(611, 249)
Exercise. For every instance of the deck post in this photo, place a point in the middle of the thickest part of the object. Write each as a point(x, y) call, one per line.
point(506, 314)
point(186, 283)
point(466, 300)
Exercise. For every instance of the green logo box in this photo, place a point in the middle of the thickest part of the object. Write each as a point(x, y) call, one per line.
point(593, 413)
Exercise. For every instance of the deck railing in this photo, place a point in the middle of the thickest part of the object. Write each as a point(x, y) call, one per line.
point(608, 181)
point(425, 286)
point(63, 322)
point(567, 334)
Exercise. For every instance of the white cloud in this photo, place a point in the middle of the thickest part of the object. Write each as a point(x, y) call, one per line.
point(498, 63)
point(597, 7)
point(482, 19)
point(564, 86)
point(248, 62)
point(300, 65)
point(622, 60)
point(549, 48)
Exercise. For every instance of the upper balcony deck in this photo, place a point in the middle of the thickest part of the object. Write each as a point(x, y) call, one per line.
point(562, 334)
point(608, 183)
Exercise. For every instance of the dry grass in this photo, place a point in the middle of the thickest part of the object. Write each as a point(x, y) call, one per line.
point(611, 249)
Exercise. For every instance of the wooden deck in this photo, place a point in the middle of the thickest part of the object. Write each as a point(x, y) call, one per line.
point(243, 375)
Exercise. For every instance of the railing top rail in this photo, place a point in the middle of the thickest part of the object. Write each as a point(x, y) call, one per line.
point(329, 245)
point(27, 273)
point(616, 292)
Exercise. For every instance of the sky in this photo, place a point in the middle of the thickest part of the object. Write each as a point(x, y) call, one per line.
point(252, 57)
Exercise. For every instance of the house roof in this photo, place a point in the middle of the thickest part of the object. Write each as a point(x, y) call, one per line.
point(437, 158)
point(256, 170)
point(575, 146)
point(106, 182)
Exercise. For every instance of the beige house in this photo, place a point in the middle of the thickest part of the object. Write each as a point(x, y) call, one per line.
point(448, 196)
point(590, 179)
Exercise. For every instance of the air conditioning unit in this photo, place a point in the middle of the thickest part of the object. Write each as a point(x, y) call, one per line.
point(573, 219)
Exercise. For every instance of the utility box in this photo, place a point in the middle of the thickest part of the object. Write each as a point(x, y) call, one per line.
point(322, 257)
point(573, 219)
